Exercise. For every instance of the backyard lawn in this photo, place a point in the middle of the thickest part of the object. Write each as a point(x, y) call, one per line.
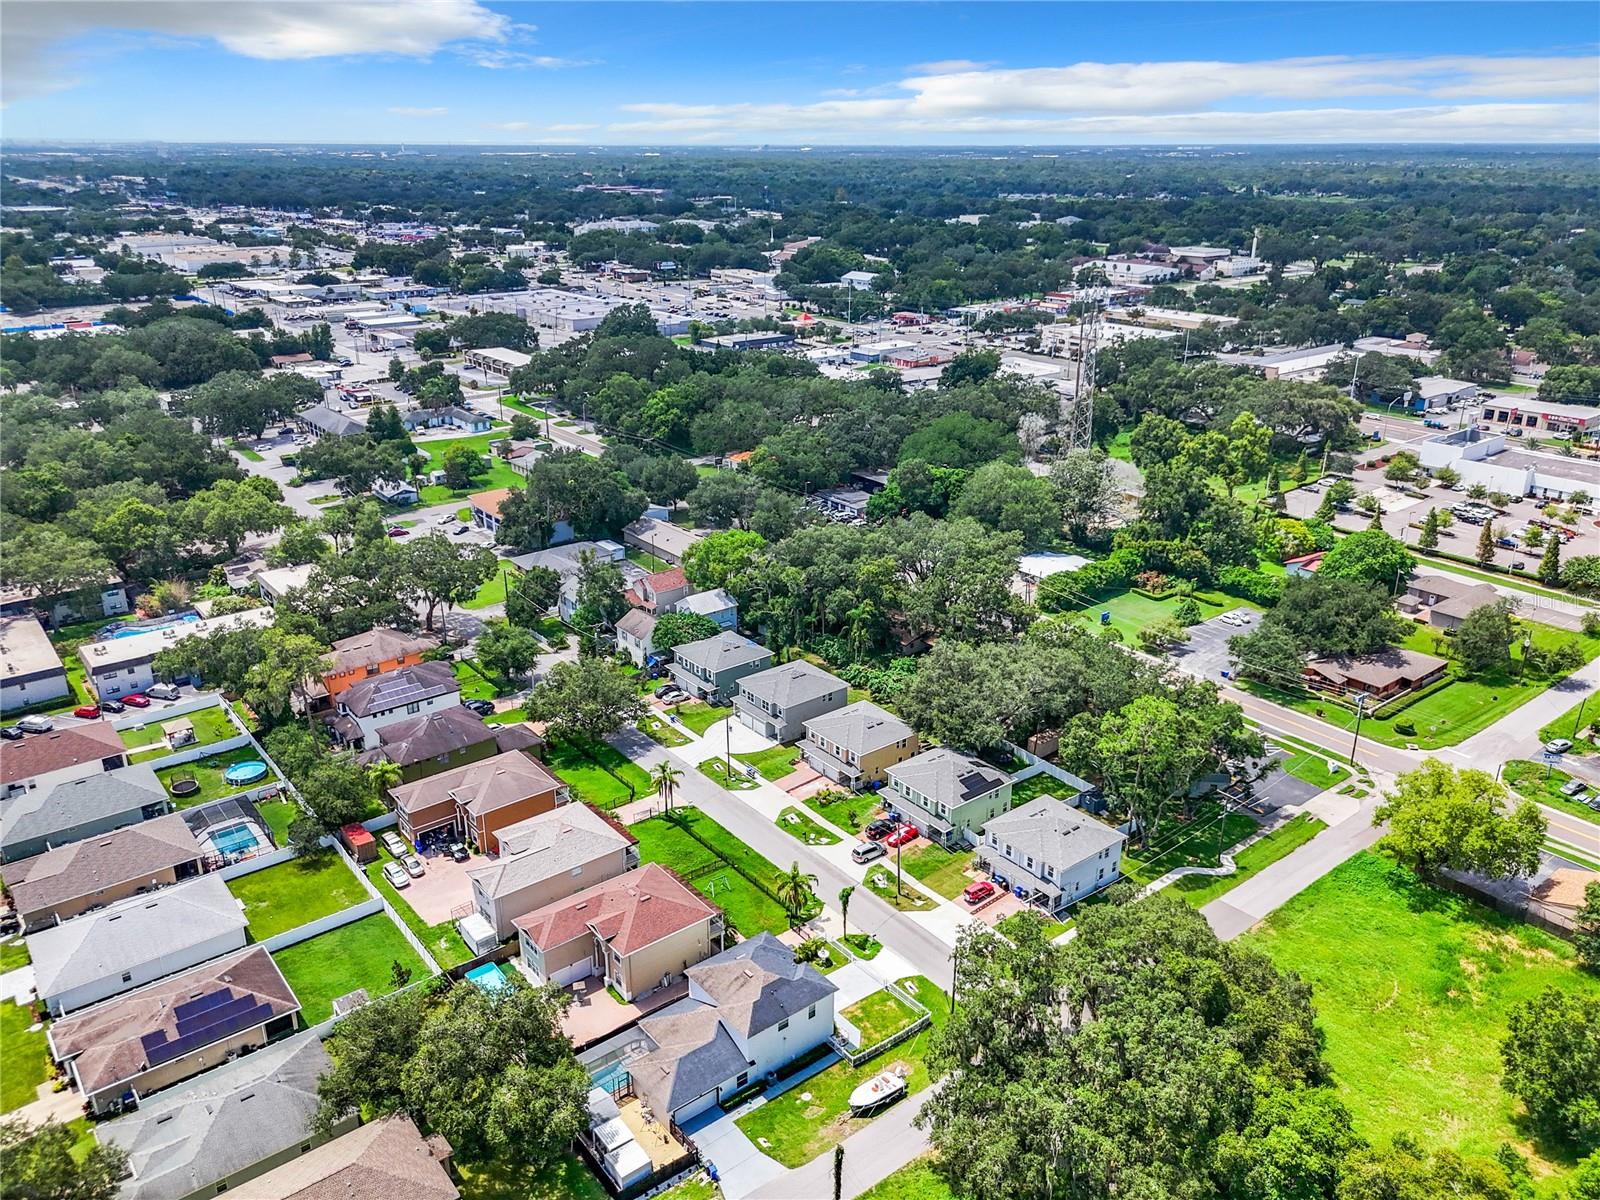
point(1131, 612)
point(566, 1178)
point(1412, 990)
point(333, 964)
point(279, 815)
point(208, 772)
point(288, 895)
point(1193, 843)
point(916, 1181)
point(738, 781)
point(939, 869)
point(1042, 784)
point(210, 725)
point(442, 941)
point(14, 954)
point(797, 1130)
point(772, 764)
point(797, 825)
point(499, 474)
point(1539, 782)
point(24, 1056)
point(475, 682)
point(699, 716)
point(1202, 889)
point(714, 869)
point(878, 1016)
point(647, 560)
point(597, 773)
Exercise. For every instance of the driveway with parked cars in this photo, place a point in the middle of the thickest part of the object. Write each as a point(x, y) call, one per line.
point(1205, 654)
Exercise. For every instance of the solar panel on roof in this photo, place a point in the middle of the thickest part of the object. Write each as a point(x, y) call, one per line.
point(244, 1013)
point(213, 999)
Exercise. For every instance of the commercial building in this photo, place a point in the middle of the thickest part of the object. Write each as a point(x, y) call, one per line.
point(1543, 416)
point(1444, 601)
point(497, 360)
point(661, 538)
point(123, 662)
point(30, 669)
point(1379, 676)
point(1480, 457)
point(1436, 391)
point(1306, 364)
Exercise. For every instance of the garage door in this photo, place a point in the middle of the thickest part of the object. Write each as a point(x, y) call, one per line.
point(577, 971)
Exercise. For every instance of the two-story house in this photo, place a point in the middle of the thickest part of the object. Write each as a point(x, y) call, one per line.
point(547, 858)
point(125, 663)
point(855, 745)
point(750, 1011)
point(948, 795)
point(636, 630)
point(660, 591)
point(709, 669)
point(1059, 853)
point(440, 741)
point(638, 932)
point(368, 706)
point(474, 802)
point(777, 702)
point(716, 605)
point(375, 652)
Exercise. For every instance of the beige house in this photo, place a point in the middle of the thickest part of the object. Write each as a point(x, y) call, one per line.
point(478, 800)
point(857, 744)
point(638, 932)
point(547, 858)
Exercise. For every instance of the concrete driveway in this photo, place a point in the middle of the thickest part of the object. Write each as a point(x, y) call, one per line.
point(444, 889)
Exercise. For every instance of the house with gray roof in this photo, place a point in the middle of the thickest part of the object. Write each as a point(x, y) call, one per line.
point(750, 1010)
point(368, 706)
point(134, 942)
point(546, 858)
point(778, 702)
point(231, 1124)
point(948, 795)
point(709, 669)
point(857, 744)
point(1059, 853)
point(32, 822)
point(715, 604)
point(636, 630)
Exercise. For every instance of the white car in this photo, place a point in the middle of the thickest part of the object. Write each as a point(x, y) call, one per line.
point(393, 844)
point(446, 519)
point(396, 875)
point(413, 865)
point(37, 723)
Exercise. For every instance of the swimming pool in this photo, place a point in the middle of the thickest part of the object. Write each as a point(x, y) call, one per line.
point(145, 627)
point(489, 978)
point(245, 772)
point(234, 841)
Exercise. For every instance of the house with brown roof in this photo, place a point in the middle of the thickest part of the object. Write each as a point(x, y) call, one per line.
point(638, 932)
point(660, 591)
point(440, 741)
point(375, 652)
point(70, 752)
point(371, 704)
point(169, 1031)
point(547, 858)
point(1381, 675)
point(75, 878)
point(386, 1160)
point(474, 802)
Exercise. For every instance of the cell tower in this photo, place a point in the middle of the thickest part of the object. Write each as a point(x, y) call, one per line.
point(1079, 419)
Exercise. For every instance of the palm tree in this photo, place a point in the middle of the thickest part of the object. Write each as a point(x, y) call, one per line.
point(666, 778)
point(383, 775)
point(793, 890)
point(844, 910)
point(810, 950)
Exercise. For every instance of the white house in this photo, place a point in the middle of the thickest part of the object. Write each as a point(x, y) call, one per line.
point(122, 664)
point(30, 669)
point(373, 704)
point(1058, 853)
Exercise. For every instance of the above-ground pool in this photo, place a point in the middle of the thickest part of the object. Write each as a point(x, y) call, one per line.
point(489, 978)
point(245, 772)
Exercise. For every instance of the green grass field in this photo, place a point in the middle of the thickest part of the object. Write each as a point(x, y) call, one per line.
point(647, 560)
point(208, 772)
point(1539, 782)
point(288, 895)
point(24, 1057)
point(1202, 889)
point(279, 815)
point(700, 717)
point(661, 731)
point(878, 1016)
point(797, 1129)
point(333, 964)
point(917, 1181)
point(1310, 765)
point(1131, 612)
point(475, 684)
point(774, 763)
point(1566, 725)
point(564, 1178)
point(1412, 990)
point(803, 829)
point(442, 941)
point(710, 869)
point(938, 869)
point(880, 880)
point(736, 781)
point(14, 954)
point(847, 810)
point(210, 725)
point(597, 773)
point(494, 588)
point(1196, 842)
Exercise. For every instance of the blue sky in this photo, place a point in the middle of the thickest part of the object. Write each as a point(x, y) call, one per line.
point(467, 71)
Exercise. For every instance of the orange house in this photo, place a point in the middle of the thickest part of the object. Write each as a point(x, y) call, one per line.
point(474, 802)
point(375, 652)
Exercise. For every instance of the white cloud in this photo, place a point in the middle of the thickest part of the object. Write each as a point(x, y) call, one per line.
point(947, 66)
point(40, 36)
point(1440, 98)
point(406, 110)
point(510, 126)
point(497, 59)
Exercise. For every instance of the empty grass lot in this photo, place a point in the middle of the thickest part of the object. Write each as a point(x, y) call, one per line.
point(1412, 990)
point(597, 772)
point(208, 773)
point(24, 1057)
point(288, 895)
point(709, 869)
point(1131, 612)
point(797, 1130)
point(661, 731)
point(563, 1178)
point(878, 1016)
point(442, 941)
point(771, 764)
point(700, 717)
point(210, 725)
point(801, 827)
point(499, 475)
point(1192, 843)
point(938, 869)
point(494, 588)
point(647, 560)
point(917, 1181)
point(1539, 782)
point(847, 810)
point(1202, 889)
point(333, 964)
point(1042, 784)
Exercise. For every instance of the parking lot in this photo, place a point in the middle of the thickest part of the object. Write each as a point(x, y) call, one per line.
point(1276, 788)
point(1205, 654)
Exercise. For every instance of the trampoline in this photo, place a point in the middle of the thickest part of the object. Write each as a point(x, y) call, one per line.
point(187, 786)
point(245, 772)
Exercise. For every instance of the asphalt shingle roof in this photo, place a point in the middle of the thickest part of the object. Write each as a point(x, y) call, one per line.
point(408, 685)
point(947, 776)
point(44, 813)
point(101, 862)
point(547, 845)
point(1050, 831)
point(860, 728)
point(721, 651)
point(629, 911)
point(792, 683)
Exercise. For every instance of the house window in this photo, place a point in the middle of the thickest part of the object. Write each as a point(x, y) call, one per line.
point(413, 709)
point(812, 1013)
point(783, 1024)
point(1102, 874)
point(127, 977)
point(744, 1078)
point(1030, 862)
point(305, 1148)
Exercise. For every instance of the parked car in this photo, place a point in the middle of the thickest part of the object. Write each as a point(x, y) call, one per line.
point(445, 519)
point(13, 733)
point(136, 700)
point(87, 711)
point(414, 866)
point(396, 875)
point(975, 893)
point(113, 706)
point(392, 843)
point(399, 531)
point(665, 690)
point(1557, 746)
point(867, 851)
point(881, 827)
point(1572, 787)
point(458, 851)
point(903, 836)
point(163, 691)
point(37, 723)
point(482, 707)
point(459, 530)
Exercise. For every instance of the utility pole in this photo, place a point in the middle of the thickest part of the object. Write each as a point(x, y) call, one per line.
point(1080, 420)
point(1361, 711)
